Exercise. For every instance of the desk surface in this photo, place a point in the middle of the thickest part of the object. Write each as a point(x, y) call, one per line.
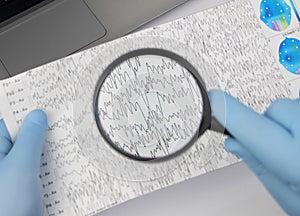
point(230, 191)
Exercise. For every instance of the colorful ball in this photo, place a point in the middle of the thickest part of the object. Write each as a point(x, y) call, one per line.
point(276, 14)
point(289, 54)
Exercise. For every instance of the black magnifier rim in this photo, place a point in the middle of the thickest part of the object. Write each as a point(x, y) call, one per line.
point(207, 116)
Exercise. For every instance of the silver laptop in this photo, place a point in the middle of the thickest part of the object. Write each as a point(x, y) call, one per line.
point(34, 32)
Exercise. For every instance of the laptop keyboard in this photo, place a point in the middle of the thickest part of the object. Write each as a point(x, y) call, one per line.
point(11, 8)
point(3, 2)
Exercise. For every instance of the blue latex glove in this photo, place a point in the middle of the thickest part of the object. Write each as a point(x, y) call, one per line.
point(269, 144)
point(20, 185)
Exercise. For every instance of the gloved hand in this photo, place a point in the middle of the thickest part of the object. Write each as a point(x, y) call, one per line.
point(269, 144)
point(20, 185)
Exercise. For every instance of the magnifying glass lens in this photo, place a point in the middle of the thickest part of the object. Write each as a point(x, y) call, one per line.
point(149, 107)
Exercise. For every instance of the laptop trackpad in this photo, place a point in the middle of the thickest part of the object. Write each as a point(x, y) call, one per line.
point(49, 35)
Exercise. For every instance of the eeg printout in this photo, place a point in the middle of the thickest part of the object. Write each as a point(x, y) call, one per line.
point(78, 178)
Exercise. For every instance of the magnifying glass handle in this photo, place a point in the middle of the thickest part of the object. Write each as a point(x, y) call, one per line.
point(218, 127)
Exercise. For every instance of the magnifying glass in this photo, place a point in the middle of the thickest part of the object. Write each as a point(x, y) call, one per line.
point(152, 104)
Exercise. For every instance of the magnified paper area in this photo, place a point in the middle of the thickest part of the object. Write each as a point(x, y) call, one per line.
point(150, 106)
point(96, 148)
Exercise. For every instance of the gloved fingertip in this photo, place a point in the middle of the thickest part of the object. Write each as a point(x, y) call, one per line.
point(215, 95)
point(37, 117)
point(232, 146)
point(5, 140)
point(3, 130)
point(278, 104)
point(30, 141)
point(218, 104)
